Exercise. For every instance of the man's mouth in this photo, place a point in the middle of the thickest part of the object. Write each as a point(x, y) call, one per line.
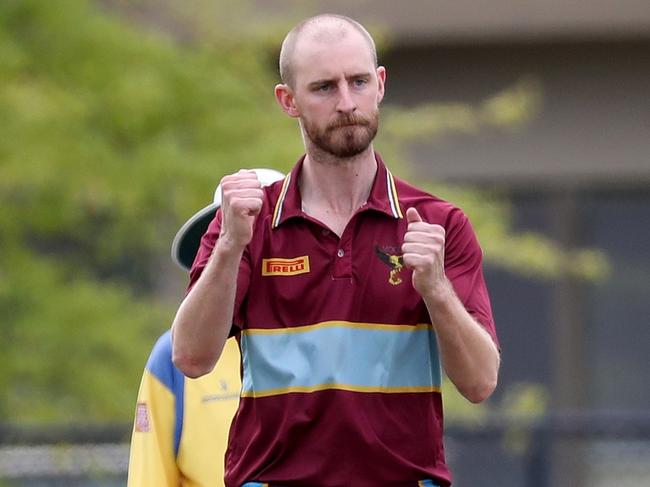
point(346, 124)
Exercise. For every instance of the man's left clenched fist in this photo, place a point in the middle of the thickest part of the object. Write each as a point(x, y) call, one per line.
point(424, 252)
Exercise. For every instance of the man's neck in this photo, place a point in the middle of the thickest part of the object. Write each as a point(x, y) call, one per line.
point(337, 186)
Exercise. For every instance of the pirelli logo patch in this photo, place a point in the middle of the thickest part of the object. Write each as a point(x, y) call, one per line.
point(285, 267)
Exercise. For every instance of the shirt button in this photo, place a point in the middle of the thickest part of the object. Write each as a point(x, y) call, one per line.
point(340, 253)
point(326, 232)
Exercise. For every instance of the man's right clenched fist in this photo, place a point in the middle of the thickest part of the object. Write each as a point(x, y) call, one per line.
point(241, 203)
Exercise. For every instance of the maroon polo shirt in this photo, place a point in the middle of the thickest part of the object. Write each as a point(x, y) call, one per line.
point(340, 365)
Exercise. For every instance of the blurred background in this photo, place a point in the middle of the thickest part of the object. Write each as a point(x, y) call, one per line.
point(118, 118)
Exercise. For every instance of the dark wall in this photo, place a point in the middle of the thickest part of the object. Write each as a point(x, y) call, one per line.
point(593, 123)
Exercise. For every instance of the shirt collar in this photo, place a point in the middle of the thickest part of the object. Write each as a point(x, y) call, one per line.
point(383, 194)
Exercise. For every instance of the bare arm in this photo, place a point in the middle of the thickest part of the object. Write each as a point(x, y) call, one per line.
point(469, 355)
point(204, 318)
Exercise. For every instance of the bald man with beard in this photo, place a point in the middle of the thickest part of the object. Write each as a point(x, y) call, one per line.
point(348, 290)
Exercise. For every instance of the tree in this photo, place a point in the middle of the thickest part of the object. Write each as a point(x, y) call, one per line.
point(111, 137)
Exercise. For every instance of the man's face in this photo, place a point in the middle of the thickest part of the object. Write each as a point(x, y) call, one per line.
point(337, 92)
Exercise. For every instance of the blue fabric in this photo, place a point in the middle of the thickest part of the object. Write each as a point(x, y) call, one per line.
point(161, 366)
point(335, 355)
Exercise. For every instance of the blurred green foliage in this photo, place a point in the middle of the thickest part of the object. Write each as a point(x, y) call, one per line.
point(511, 109)
point(111, 135)
point(110, 138)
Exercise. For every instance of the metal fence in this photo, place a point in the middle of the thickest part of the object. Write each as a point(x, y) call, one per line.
point(64, 455)
point(563, 450)
point(567, 450)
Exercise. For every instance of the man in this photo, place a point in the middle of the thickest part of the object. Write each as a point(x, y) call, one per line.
point(346, 288)
point(181, 425)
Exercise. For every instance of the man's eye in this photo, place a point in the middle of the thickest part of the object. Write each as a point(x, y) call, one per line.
point(323, 87)
point(360, 82)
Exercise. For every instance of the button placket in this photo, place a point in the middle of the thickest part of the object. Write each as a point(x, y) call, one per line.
point(342, 265)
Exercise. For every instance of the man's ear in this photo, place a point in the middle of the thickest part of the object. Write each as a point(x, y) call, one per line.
point(381, 83)
point(284, 96)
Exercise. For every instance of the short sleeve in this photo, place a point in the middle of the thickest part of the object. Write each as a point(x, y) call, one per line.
point(152, 455)
point(208, 241)
point(464, 268)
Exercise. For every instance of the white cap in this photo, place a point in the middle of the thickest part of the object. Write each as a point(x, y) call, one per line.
point(188, 238)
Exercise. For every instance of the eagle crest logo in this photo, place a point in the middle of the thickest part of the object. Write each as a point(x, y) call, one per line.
point(395, 262)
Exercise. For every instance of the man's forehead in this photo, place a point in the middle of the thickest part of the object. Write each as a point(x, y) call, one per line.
point(329, 51)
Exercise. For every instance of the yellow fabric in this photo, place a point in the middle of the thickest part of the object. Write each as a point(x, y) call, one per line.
point(151, 460)
point(209, 405)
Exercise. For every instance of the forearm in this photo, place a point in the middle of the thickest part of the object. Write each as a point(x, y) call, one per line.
point(204, 318)
point(469, 355)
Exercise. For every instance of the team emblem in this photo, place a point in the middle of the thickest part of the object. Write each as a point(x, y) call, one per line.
point(141, 418)
point(395, 262)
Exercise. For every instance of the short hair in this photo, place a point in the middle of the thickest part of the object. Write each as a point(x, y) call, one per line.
point(291, 39)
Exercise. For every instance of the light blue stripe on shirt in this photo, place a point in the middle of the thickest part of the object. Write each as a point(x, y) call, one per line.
point(340, 355)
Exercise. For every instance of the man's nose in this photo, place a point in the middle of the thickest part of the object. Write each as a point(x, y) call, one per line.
point(346, 103)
